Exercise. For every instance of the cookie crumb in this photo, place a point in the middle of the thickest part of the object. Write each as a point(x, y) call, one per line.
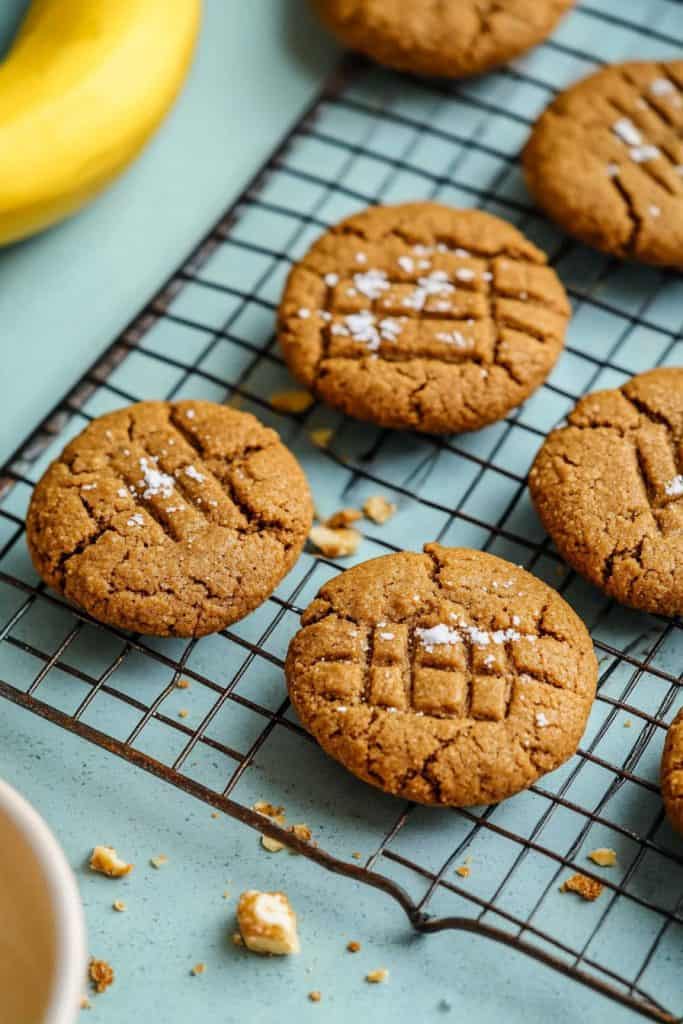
point(301, 832)
point(335, 543)
point(344, 517)
point(321, 436)
point(183, 684)
point(271, 845)
point(101, 974)
point(198, 969)
point(237, 939)
point(315, 996)
point(628, 723)
point(588, 888)
point(463, 871)
point(215, 814)
point(292, 401)
point(353, 946)
point(183, 713)
point(604, 856)
point(159, 860)
point(378, 509)
point(267, 923)
point(119, 905)
point(378, 976)
point(105, 861)
point(85, 1003)
point(274, 811)
point(356, 855)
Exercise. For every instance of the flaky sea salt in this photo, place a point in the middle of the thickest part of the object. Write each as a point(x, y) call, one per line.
point(371, 283)
point(661, 87)
point(674, 488)
point(136, 520)
point(194, 474)
point(641, 154)
point(331, 280)
point(154, 481)
point(625, 130)
point(541, 720)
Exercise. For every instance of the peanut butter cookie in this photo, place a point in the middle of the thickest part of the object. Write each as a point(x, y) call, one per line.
point(171, 518)
point(450, 677)
point(430, 37)
point(672, 772)
point(423, 316)
point(605, 160)
point(609, 490)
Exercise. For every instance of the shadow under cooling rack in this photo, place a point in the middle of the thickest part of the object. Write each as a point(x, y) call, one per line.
point(374, 136)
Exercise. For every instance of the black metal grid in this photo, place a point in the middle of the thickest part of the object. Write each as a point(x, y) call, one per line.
point(637, 655)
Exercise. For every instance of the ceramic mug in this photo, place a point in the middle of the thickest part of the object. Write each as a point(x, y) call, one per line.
point(42, 937)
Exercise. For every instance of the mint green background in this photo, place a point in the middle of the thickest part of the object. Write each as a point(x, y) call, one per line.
point(62, 297)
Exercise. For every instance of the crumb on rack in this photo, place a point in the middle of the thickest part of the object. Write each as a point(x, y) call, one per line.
point(267, 923)
point(604, 856)
point(335, 543)
point(378, 976)
point(463, 871)
point(357, 855)
point(101, 974)
point(226, 894)
point(315, 996)
point(303, 833)
point(275, 812)
point(183, 713)
point(183, 684)
point(588, 888)
point(353, 946)
point(85, 1003)
point(271, 845)
point(379, 509)
point(159, 860)
point(198, 969)
point(294, 401)
point(104, 860)
point(119, 905)
point(215, 814)
point(628, 723)
point(321, 436)
point(344, 517)
point(237, 939)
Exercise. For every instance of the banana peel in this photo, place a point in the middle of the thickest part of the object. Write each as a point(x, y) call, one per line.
point(83, 87)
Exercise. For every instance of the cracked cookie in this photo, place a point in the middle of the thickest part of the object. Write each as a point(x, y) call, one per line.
point(423, 316)
point(672, 772)
point(431, 37)
point(170, 518)
point(450, 677)
point(605, 160)
point(608, 488)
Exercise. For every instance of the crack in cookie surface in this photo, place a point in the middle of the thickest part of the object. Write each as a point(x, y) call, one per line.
point(170, 518)
point(446, 677)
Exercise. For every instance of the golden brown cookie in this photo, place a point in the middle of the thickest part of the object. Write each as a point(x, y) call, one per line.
point(171, 518)
point(672, 772)
point(609, 490)
point(605, 160)
point(423, 316)
point(450, 677)
point(430, 37)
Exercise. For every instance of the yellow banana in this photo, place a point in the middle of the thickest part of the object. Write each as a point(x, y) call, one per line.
point(85, 84)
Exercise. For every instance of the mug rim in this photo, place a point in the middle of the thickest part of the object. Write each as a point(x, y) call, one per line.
point(68, 983)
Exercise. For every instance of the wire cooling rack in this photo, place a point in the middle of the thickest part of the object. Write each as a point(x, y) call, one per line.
point(374, 136)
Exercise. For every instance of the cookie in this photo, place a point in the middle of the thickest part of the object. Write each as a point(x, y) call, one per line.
point(672, 772)
point(605, 161)
point(170, 518)
point(431, 37)
point(609, 490)
point(450, 677)
point(422, 316)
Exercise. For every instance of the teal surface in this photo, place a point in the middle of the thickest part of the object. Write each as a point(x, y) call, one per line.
point(213, 338)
